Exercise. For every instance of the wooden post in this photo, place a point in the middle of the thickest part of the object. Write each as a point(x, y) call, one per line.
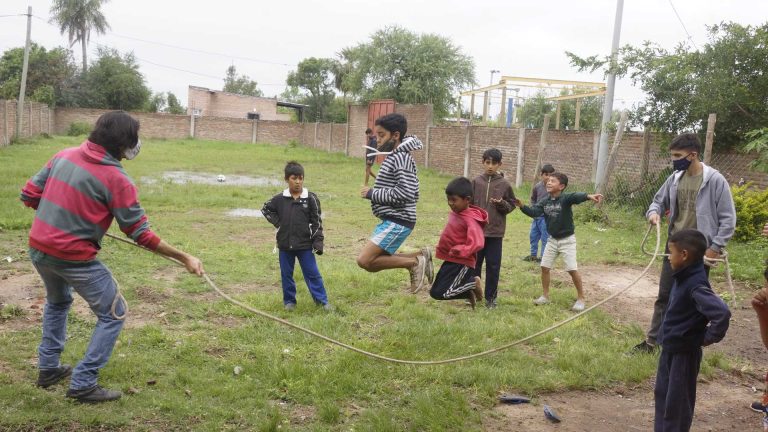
point(612, 154)
point(595, 155)
point(426, 147)
point(710, 138)
point(503, 113)
point(520, 156)
point(557, 115)
point(485, 106)
point(578, 115)
point(467, 148)
point(542, 147)
point(646, 151)
point(346, 135)
point(472, 108)
point(458, 111)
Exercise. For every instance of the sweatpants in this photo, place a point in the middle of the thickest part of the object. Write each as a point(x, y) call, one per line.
point(675, 392)
point(308, 269)
point(491, 254)
point(453, 281)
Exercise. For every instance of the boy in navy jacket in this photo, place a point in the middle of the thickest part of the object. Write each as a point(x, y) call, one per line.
point(297, 216)
point(695, 317)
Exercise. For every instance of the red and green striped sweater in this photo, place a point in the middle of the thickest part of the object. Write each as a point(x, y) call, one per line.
point(76, 195)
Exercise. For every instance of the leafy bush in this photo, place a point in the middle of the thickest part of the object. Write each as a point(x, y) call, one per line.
point(751, 212)
point(79, 128)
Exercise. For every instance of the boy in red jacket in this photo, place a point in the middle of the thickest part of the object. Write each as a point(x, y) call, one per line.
point(461, 239)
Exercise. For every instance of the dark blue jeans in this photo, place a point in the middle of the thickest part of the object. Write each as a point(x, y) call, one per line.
point(538, 232)
point(308, 269)
point(94, 283)
point(491, 255)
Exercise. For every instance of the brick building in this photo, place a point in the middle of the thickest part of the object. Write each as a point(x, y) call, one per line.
point(205, 102)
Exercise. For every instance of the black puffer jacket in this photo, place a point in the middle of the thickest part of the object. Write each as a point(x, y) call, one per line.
point(298, 221)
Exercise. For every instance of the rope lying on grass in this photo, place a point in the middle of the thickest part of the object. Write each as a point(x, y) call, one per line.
point(712, 262)
point(422, 362)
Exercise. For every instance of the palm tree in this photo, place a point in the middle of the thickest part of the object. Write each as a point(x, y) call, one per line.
point(78, 18)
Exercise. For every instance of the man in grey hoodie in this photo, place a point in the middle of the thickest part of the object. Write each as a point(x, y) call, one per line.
point(697, 197)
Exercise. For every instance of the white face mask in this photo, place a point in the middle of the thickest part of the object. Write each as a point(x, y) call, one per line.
point(132, 152)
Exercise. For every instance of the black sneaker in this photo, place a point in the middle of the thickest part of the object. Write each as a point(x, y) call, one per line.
point(758, 406)
point(49, 377)
point(490, 304)
point(94, 394)
point(643, 348)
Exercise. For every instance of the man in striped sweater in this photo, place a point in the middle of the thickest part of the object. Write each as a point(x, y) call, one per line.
point(76, 196)
point(393, 200)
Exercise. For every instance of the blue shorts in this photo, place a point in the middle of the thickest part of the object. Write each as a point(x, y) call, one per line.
point(389, 236)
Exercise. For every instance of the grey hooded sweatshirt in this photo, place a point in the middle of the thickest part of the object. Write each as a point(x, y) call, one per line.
point(715, 212)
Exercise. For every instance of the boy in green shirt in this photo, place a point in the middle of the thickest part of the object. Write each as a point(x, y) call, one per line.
point(557, 212)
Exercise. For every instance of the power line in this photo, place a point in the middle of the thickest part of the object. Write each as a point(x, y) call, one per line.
point(13, 15)
point(683, 25)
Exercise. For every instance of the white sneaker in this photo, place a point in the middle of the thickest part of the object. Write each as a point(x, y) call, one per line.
point(541, 301)
point(417, 274)
point(578, 306)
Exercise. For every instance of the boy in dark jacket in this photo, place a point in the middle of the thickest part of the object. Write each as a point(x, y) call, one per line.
point(492, 192)
point(461, 239)
point(297, 216)
point(558, 214)
point(695, 317)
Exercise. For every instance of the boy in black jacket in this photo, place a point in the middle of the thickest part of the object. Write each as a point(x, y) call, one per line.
point(297, 216)
point(695, 317)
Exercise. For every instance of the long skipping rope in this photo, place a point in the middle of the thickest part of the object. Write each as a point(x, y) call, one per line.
point(420, 362)
point(708, 261)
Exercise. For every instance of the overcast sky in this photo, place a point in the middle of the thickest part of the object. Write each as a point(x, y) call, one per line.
point(181, 43)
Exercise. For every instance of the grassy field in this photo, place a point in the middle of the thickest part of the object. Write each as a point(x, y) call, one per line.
point(290, 381)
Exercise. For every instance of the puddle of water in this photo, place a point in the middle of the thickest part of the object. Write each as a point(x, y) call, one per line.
point(243, 212)
point(184, 177)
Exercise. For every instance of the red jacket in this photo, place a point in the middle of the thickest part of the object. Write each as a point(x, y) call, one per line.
point(463, 236)
point(76, 195)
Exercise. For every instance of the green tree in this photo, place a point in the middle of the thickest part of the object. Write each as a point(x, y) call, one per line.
point(726, 76)
point(48, 74)
point(114, 82)
point(174, 106)
point(242, 84)
point(531, 113)
point(156, 103)
point(77, 18)
point(315, 76)
point(410, 68)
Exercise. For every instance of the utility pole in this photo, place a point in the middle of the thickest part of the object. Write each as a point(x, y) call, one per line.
point(488, 94)
point(25, 66)
point(602, 150)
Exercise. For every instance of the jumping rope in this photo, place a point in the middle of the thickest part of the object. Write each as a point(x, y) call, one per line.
point(419, 362)
point(712, 262)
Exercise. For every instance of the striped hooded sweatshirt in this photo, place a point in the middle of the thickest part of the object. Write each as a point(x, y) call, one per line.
point(76, 195)
point(396, 189)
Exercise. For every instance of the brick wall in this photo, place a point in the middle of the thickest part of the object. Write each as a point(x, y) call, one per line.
point(214, 103)
point(358, 123)
point(279, 132)
point(155, 125)
point(37, 118)
point(223, 129)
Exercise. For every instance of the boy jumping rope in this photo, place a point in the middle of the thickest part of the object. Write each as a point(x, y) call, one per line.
point(558, 214)
point(393, 200)
point(492, 192)
point(460, 240)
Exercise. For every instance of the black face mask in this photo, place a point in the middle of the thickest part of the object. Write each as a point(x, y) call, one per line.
point(387, 146)
point(681, 164)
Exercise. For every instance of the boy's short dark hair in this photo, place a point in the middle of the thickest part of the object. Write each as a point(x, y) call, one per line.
point(460, 187)
point(547, 169)
point(686, 141)
point(368, 131)
point(692, 241)
point(293, 168)
point(492, 154)
point(115, 131)
point(562, 178)
point(393, 123)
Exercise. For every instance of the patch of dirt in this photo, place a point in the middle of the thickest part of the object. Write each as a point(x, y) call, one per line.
point(722, 404)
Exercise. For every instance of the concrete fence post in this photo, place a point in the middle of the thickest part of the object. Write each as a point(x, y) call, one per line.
point(602, 187)
point(6, 140)
point(346, 134)
point(330, 137)
point(520, 157)
point(595, 154)
point(192, 125)
point(542, 148)
point(50, 114)
point(467, 148)
point(254, 131)
point(315, 143)
point(29, 119)
point(426, 146)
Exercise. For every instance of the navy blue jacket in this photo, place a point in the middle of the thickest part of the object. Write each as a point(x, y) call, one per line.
point(695, 316)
